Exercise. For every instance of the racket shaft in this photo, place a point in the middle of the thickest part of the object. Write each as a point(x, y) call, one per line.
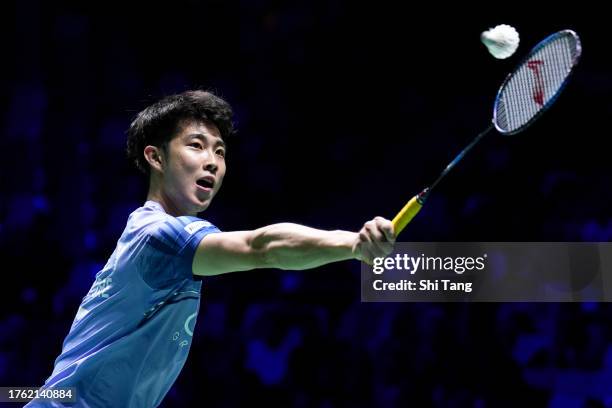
point(406, 214)
point(413, 206)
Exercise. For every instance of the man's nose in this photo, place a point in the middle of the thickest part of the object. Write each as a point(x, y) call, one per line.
point(211, 163)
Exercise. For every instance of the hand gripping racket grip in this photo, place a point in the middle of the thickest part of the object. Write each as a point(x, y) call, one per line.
point(407, 213)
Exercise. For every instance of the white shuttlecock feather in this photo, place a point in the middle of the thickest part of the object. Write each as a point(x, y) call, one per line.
point(501, 41)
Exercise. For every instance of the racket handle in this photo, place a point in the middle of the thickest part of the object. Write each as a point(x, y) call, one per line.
point(407, 213)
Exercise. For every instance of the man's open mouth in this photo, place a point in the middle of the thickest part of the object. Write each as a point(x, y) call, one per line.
point(206, 182)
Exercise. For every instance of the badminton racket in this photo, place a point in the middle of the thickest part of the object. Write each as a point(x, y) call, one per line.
point(524, 95)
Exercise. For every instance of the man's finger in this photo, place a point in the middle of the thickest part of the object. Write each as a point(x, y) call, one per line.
point(376, 236)
point(386, 228)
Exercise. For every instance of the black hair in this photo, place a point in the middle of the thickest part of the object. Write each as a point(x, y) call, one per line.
point(157, 124)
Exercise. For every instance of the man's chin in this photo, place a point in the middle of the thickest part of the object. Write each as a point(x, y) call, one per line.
point(202, 205)
point(202, 201)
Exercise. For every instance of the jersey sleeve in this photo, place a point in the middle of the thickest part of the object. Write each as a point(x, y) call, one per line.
point(169, 247)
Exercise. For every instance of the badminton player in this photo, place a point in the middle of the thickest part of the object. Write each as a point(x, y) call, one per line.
point(133, 330)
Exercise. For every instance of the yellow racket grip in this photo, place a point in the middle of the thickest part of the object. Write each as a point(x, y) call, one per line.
point(407, 213)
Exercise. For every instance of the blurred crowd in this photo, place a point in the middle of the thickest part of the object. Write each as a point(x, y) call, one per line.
point(334, 128)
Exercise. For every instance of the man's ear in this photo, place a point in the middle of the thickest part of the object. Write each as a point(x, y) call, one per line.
point(154, 157)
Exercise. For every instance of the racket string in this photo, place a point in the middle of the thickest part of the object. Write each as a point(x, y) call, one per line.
point(536, 83)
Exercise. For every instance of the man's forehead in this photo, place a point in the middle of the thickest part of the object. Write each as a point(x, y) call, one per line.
point(192, 127)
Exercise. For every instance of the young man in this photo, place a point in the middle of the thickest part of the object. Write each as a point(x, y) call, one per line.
point(132, 332)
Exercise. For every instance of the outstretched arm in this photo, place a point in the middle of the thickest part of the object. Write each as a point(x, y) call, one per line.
point(290, 246)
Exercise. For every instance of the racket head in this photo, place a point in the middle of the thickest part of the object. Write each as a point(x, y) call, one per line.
point(536, 83)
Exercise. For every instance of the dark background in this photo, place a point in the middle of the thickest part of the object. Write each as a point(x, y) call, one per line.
point(344, 112)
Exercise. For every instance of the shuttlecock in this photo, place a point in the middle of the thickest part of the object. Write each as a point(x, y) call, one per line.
point(501, 41)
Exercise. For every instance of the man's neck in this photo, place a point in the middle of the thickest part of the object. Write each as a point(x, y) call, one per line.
point(165, 202)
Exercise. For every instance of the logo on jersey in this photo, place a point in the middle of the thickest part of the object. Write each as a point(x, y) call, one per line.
point(188, 326)
point(100, 288)
point(196, 226)
point(188, 329)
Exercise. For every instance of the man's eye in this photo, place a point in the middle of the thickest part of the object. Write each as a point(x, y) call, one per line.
point(221, 152)
point(196, 145)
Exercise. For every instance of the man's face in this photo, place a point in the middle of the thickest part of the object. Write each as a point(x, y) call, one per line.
point(194, 168)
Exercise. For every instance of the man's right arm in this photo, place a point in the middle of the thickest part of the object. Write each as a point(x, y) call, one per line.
point(290, 246)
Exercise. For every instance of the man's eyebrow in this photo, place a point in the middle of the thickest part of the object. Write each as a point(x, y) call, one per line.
point(202, 137)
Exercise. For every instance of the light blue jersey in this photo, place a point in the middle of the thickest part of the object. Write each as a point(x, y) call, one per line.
point(133, 330)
